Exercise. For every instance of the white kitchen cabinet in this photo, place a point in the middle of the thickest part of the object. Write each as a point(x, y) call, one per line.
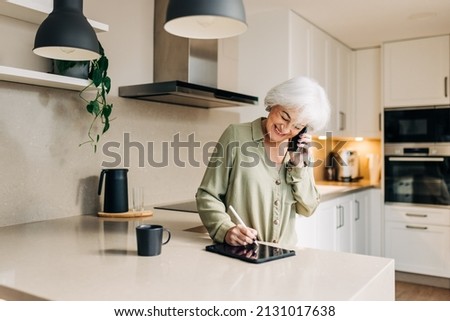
point(344, 107)
point(367, 106)
point(296, 48)
point(35, 12)
point(331, 67)
point(319, 49)
point(329, 75)
point(360, 214)
point(334, 224)
point(325, 216)
point(306, 229)
point(416, 72)
point(299, 56)
point(418, 238)
point(343, 224)
point(268, 54)
point(375, 223)
point(339, 224)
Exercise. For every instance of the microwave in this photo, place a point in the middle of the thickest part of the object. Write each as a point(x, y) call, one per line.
point(417, 125)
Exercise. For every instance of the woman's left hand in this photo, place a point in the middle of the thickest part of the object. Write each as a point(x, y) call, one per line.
point(299, 157)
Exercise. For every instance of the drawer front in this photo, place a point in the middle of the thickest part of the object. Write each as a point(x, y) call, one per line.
point(418, 215)
point(416, 249)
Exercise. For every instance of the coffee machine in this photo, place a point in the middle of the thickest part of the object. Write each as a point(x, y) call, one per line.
point(349, 169)
point(342, 166)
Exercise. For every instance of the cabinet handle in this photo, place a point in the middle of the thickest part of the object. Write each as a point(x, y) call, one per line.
point(357, 217)
point(416, 159)
point(416, 215)
point(417, 227)
point(338, 216)
point(379, 122)
point(446, 87)
point(342, 123)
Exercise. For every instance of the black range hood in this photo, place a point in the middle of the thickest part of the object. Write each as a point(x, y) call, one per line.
point(184, 72)
point(183, 93)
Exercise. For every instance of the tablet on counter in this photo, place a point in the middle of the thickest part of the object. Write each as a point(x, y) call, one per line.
point(251, 253)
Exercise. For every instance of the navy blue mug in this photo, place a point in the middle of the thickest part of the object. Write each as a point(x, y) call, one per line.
point(150, 239)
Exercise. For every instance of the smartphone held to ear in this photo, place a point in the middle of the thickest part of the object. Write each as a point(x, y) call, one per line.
point(294, 141)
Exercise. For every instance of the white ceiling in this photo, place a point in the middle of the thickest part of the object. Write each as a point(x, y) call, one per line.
point(367, 23)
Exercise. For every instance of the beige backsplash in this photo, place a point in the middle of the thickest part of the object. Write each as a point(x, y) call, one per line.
point(364, 148)
point(45, 174)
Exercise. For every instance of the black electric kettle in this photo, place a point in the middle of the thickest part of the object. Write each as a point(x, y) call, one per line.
point(116, 190)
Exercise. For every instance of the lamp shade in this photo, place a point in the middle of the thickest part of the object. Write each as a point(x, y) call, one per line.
point(205, 19)
point(66, 34)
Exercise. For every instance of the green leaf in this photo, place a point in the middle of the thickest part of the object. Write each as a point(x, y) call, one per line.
point(106, 127)
point(97, 77)
point(103, 63)
point(95, 107)
point(90, 107)
point(107, 84)
point(107, 111)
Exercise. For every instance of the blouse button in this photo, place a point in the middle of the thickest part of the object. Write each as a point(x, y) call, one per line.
point(276, 202)
point(276, 222)
point(278, 181)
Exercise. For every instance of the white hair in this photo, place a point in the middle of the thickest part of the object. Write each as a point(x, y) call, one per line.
point(304, 95)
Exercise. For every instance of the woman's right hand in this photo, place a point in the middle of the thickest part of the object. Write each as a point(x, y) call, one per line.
point(240, 235)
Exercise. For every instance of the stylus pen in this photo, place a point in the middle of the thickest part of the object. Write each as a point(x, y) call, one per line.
point(240, 221)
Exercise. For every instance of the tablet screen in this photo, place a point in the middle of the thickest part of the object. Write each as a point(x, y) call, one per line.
point(251, 253)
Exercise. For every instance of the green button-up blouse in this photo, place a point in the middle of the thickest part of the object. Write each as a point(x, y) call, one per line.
point(266, 196)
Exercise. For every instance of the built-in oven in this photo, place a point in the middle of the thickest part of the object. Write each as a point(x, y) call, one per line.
point(417, 174)
point(417, 125)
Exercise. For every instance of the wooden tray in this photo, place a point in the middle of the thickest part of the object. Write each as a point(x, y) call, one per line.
point(126, 214)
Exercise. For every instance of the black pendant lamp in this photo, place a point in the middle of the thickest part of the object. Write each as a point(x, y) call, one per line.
point(66, 34)
point(205, 19)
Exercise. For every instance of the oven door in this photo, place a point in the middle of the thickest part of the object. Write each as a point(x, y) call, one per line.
point(417, 180)
point(410, 125)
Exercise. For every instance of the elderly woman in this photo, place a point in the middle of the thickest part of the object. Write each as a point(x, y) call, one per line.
point(253, 170)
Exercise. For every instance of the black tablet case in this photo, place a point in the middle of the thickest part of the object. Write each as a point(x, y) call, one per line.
point(252, 253)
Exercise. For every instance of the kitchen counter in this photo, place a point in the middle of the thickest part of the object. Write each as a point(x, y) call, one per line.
point(331, 189)
point(91, 258)
point(328, 191)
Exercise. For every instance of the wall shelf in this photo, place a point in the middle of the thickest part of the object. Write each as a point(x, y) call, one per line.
point(44, 79)
point(35, 12)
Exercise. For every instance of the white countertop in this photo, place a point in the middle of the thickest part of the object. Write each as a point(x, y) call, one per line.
point(91, 258)
point(330, 189)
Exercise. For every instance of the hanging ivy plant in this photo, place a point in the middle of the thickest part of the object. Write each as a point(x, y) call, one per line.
point(98, 107)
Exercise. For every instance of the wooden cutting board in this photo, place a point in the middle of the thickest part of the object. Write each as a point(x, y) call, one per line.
point(127, 214)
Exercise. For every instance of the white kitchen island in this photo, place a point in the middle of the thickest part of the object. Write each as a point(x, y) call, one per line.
point(91, 258)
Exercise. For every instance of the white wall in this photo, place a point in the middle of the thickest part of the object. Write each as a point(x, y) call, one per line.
point(45, 174)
